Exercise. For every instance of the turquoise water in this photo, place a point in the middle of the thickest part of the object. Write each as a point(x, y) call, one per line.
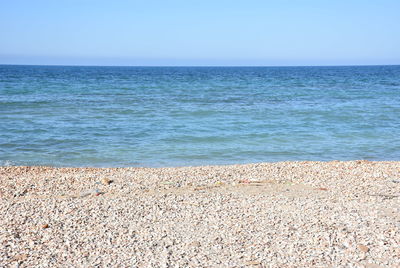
point(174, 116)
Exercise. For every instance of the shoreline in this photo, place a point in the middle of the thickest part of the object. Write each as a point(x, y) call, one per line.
point(358, 161)
point(292, 213)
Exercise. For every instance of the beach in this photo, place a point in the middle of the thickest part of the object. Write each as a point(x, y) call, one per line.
point(187, 134)
point(282, 214)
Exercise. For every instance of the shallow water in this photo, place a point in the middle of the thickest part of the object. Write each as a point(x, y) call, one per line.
point(173, 116)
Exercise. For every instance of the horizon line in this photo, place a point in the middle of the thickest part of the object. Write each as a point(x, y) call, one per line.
point(90, 65)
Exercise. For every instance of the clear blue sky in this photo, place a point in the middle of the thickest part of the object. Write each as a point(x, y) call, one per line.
point(203, 32)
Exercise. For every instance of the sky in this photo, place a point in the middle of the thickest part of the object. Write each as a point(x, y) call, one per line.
point(203, 32)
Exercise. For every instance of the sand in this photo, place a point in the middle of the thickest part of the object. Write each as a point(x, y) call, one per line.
point(286, 214)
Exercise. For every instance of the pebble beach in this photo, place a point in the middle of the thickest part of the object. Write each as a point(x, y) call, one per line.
point(283, 214)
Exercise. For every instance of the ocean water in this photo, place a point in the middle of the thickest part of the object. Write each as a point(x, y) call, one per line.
point(179, 116)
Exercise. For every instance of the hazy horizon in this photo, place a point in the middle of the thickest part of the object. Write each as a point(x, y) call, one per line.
point(188, 66)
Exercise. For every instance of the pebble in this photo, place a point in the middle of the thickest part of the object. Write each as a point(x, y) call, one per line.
point(106, 181)
point(322, 189)
point(363, 248)
point(20, 257)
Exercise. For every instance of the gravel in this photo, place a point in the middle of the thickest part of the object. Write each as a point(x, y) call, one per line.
point(286, 214)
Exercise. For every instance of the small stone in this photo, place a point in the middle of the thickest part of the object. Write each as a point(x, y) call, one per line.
point(20, 257)
point(45, 226)
point(253, 263)
point(22, 193)
point(195, 244)
point(106, 181)
point(322, 189)
point(363, 248)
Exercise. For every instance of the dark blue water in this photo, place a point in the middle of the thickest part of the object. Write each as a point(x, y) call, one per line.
point(172, 116)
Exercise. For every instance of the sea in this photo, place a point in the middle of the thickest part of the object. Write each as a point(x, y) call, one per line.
point(187, 116)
